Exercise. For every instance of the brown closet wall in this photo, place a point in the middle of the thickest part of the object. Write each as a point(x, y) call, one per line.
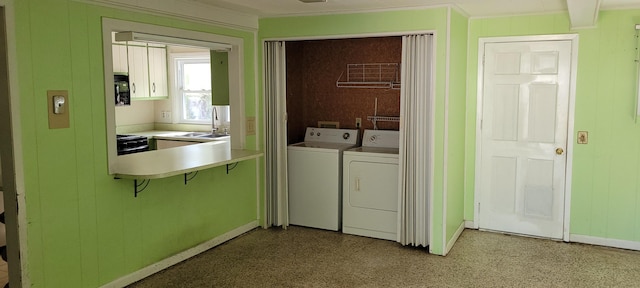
point(313, 67)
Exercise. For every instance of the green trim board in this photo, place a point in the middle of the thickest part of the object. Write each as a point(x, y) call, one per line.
point(456, 124)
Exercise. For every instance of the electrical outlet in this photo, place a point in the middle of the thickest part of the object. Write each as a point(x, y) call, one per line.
point(358, 122)
point(251, 126)
point(166, 115)
point(583, 137)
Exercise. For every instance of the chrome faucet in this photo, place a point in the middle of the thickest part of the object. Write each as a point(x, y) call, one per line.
point(214, 129)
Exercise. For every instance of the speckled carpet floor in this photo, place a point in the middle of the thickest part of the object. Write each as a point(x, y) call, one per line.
point(303, 257)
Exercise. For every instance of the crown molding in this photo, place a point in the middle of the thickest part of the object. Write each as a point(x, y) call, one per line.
point(185, 10)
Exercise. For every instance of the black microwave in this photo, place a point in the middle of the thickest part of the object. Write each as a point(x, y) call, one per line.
point(121, 87)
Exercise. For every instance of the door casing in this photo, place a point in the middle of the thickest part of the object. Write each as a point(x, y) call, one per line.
point(570, 125)
point(14, 196)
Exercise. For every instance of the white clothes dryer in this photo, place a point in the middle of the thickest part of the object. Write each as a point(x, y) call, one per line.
point(315, 177)
point(370, 185)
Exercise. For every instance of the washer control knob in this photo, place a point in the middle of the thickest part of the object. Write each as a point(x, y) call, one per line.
point(346, 136)
point(318, 133)
point(373, 138)
point(312, 133)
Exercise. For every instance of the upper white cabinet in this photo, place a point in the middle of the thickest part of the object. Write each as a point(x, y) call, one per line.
point(138, 72)
point(157, 71)
point(120, 59)
point(146, 65)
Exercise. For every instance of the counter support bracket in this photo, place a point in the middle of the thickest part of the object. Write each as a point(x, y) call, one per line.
point(231, 167)
point(144, 183)
point(188, 177)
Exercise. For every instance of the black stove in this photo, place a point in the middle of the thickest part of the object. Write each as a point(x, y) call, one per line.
point(128, 144)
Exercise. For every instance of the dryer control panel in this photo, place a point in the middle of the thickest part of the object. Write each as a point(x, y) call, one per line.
point(381, 138)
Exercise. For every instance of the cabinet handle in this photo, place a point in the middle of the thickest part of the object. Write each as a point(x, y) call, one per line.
point(133, 85)
point(357, 183)
point(153, 87)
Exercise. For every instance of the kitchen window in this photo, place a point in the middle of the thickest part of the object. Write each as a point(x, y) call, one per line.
point(194, 89)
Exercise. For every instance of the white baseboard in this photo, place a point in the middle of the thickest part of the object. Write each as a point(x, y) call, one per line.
point(454, 238)
point(184, 255)
point(624, 244)
point(470, 224)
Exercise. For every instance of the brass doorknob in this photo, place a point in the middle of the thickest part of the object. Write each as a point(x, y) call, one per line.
point(559, 151)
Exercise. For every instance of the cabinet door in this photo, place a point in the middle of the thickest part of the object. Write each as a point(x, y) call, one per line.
point(158, 72)
point(219, 78)
point(138, 72)
point(119, 58)
point(164, 144)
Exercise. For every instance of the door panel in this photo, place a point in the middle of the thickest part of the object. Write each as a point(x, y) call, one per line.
point(524, 119)
point(542, 116)
point(373, 185)
point(503, 184)
point(505, 109)
point(538, 189)
point(545, 62)
point(508, 63)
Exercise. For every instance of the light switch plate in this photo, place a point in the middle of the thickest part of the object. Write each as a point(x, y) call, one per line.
point(57, 121)
point(251, 126)
point(583, 137)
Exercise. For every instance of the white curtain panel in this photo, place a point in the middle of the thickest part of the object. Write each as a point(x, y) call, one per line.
point(413, 204)
point(276, 133)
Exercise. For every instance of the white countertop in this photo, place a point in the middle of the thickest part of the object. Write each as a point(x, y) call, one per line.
point(179, 160)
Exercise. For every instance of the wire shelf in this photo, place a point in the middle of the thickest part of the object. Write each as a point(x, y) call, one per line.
point(370, 75)
point(384, 118)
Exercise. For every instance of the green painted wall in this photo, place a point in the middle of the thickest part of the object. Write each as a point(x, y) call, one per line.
point(84, 228)
point(456, 118)
point(605, 192)
point(384, 22)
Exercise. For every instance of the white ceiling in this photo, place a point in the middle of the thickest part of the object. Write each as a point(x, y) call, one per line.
point(473, 8)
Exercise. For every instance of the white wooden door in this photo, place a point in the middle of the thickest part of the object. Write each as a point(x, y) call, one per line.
point(524, 137)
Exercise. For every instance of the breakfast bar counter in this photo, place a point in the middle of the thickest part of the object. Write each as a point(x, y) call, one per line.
point(179, 160)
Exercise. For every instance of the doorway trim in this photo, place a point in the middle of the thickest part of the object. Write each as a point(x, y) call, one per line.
point(570, 121)
point(17, 231)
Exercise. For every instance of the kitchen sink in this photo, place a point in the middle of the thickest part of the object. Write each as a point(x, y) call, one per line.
point(195, 134)
point(211, 135)
point(202, 135)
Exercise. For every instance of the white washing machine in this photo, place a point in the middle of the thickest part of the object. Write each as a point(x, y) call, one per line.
point(370, 185)
point(315, 177)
